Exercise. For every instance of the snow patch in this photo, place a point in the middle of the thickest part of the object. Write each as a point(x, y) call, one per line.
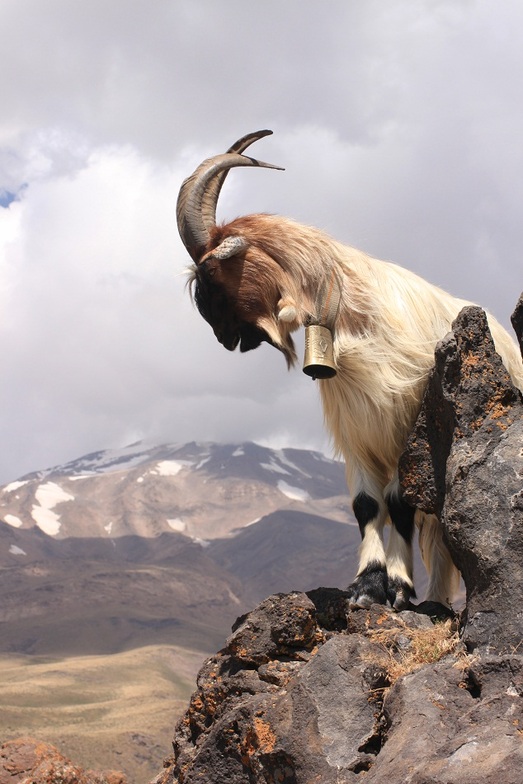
point(177, 524)
point(51, 494)
point(140, 480)
point(13, 486)
point(240, 452)
point(117, 462)
point(16, 550)
point(109, 461)
point(294, 493)
point(47, 520)
point(108, 528)
point(275, 468)
point(13, 520)
point(48, 496)
point(168, 468)
point(285, 460)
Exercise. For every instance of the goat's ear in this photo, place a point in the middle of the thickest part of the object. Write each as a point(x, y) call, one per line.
point(230, 247)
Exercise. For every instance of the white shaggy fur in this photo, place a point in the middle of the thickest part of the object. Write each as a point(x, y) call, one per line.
point(386, 330)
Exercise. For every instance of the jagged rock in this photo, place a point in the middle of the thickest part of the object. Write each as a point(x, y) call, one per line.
point(334, 705)
point(30, 761)
point(271, 706)
point(464, 462)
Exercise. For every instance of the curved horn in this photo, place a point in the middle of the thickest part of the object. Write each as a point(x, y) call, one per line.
point(210, 199)
point(193, 223)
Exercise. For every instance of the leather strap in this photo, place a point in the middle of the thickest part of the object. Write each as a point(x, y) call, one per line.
point(328, 301)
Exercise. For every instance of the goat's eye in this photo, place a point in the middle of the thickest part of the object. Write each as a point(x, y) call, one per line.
point(208, 268)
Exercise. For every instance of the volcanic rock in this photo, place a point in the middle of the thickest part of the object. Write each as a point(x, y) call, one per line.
point(291, 699)
point(30, 761)
point(464, 462)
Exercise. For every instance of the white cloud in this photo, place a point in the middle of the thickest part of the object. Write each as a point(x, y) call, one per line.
point(399, 125)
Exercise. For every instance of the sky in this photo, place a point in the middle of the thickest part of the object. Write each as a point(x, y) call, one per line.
point(399, 124)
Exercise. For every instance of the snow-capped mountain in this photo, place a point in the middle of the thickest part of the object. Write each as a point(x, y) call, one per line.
point(204, 491)
point(165, 544)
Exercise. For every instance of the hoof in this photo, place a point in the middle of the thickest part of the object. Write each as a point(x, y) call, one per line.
point(369, 587)
point(399, 594)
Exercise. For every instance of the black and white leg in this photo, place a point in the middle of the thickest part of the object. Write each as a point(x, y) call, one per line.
point(370, 584)
point(399, 549)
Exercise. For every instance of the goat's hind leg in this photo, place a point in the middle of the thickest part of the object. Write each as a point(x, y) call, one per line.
point(443, 575)
point(370, 584)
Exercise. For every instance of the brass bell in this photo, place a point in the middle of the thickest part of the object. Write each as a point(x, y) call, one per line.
point(319, 358)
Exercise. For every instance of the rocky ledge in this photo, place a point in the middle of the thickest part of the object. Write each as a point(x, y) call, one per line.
point(307, 690)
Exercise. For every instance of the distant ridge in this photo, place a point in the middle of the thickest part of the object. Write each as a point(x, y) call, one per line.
point(159, 544)
point(145, 489)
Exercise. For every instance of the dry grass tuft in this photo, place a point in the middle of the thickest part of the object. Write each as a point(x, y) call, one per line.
point(402, 651)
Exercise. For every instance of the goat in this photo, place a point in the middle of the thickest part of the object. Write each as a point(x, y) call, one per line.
point(261, 277)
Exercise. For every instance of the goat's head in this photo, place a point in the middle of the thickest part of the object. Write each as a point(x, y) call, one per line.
point(238, 285)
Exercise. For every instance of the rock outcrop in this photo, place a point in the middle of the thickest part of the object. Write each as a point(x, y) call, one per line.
point(464, 462)
point(30, 761)
point(308, 690)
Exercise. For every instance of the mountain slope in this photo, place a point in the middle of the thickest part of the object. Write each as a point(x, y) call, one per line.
point(117, 555)
point(200, 490)
point(113, 712)
point(155, 545)
point(289, 549)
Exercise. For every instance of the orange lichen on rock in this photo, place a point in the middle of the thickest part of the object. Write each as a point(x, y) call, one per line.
point(265, 735)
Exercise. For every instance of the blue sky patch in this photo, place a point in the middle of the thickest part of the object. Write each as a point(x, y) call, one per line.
point(6, 198)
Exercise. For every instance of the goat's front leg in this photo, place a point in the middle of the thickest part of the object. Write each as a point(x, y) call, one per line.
point(370, 584)
point(399, 551)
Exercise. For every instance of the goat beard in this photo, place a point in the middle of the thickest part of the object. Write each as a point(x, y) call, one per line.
point(251, 336)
